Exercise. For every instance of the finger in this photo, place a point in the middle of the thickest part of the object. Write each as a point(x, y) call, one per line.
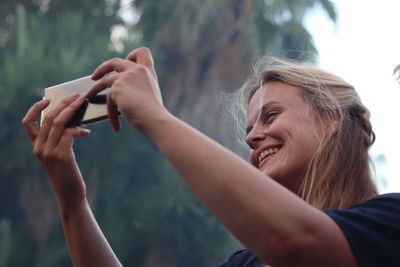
point(142, 56)
point(52, 114)
point(100, 85)
point(115, 64)
point(112, 111)
point(67, 139)
point(59, 123)
point(81, 132)
point(30, 120)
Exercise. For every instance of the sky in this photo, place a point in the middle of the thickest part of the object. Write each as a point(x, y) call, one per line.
point(363, 47)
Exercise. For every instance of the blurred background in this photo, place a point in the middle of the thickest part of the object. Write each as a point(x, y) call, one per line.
point(203, 51)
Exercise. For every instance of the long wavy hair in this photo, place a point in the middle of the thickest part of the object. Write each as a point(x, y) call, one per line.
point(339, 173)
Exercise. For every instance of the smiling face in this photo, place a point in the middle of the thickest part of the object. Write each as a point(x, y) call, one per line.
point(282, 133)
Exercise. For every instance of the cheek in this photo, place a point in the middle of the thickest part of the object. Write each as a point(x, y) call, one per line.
point(301, 139)
point(305, 145)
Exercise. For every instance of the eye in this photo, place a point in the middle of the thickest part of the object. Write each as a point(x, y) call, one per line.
point(270, 116)
point(248, 130)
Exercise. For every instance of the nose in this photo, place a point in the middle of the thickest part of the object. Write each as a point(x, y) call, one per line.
point(254, 137)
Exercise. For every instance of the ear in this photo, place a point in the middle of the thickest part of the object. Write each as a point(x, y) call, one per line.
point(329, 122)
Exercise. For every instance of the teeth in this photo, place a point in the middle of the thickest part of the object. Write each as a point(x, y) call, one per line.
point(267, 153)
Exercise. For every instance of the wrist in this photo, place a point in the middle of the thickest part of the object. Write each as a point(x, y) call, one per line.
point(68, 185)
point(67, 210)
point(154, 123)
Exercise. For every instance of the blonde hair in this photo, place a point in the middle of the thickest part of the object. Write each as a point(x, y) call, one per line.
point(338, 175)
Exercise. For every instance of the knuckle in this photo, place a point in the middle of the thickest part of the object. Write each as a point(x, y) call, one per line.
point(47, 154)
point(115, 60)
point(141, 69)
point(24, 121)
point(49, 117)
point(38, 151)
point(69, 132)
point(127, 74)
point(57, 123)
point(117, 84)
point(66, 101)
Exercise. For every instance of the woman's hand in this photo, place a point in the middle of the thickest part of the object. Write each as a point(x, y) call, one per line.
point(52, 144)
point(134, 88)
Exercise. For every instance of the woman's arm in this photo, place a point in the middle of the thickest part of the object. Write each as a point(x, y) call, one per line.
point(275, 224)
point(86, 242)
point(52, 144)
point(278, 226)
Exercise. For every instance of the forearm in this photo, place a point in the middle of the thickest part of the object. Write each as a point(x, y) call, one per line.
point(252, 206)
point(261, 213)
point(86, 242)
point(52, 144)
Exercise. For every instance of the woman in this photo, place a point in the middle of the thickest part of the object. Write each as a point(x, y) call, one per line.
point(309, 135)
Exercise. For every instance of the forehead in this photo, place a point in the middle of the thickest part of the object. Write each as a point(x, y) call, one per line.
point(276, 93)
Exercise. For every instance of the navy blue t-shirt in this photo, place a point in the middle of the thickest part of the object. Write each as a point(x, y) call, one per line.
point(242, 258)
point(372, 229)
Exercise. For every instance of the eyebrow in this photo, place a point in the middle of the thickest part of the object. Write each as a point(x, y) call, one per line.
point(261, 110)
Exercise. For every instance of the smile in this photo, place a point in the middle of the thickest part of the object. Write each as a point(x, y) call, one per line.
point(267, 153)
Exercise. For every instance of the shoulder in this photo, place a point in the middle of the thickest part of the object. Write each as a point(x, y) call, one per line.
point(372, 229)
point(389, 199)
point(379, 208)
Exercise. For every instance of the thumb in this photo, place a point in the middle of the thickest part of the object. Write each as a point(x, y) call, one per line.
point(142, 55)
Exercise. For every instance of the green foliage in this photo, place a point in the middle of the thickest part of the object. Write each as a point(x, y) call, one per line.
point(276, 28)
point(40, 50)
point(121, 171)
point(146, 211)
point(5, 242)
point(396, 71)
point(170, 23)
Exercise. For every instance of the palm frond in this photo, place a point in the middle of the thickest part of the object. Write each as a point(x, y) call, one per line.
point(330, 9)
point(396, 71)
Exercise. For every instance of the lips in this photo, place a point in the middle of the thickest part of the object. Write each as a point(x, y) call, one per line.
point(267, 152)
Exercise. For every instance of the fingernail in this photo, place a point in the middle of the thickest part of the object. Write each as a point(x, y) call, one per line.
point(94, 76)
point(85, 131)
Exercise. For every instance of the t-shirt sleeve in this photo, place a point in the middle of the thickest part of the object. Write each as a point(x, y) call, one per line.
point(242, 258)
point(372, 229)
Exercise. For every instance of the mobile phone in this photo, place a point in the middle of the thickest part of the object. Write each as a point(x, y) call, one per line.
point(90, 112)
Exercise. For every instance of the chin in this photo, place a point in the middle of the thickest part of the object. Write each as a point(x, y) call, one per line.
point(270, 173)
point(277, 177)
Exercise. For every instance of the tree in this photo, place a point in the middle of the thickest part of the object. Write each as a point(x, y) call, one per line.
point(205, 47)
point(37, 50)
point(40, 50)
point(199, 48)
point(396, 71)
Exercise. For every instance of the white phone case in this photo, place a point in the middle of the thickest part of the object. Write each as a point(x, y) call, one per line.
point(94, 112)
